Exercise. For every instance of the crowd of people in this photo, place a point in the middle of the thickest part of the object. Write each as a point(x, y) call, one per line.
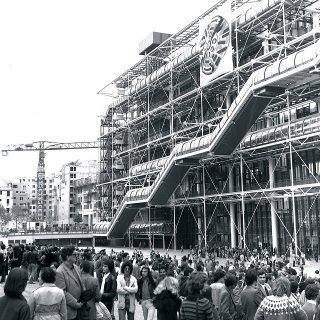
point(73, 282)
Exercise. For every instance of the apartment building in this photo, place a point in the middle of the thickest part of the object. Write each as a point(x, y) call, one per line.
point(66, 189)
point(87, 200)
point(6, 197)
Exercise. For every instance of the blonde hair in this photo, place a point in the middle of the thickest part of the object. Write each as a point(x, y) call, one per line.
point(168, 283)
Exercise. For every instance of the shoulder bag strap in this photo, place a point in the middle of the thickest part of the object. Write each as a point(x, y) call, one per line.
point(231, 297)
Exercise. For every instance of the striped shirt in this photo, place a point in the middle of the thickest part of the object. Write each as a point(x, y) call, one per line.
point(189, 309)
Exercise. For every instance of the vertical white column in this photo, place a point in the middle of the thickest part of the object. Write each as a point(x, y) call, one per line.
point(274, 219)
point(232, 208)
point(204, 206)
point(199, 226)
point(199, 213)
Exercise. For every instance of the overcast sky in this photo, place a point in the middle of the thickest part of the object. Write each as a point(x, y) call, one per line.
point(54, 58)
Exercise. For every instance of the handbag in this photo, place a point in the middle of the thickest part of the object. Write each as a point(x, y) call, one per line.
point(102, 312)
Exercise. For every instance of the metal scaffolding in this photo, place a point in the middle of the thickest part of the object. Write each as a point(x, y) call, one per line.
point(185, 153)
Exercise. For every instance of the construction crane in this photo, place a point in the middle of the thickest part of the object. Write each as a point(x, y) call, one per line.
point(43, 146)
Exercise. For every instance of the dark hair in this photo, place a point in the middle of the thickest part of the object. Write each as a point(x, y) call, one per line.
point(170, 272)
point(262, 272)
point(294, 286)
point(48, 275)
point(291, 271)
point(150, 277)
point(230, 280)
point(126, 264)
point(251, 277)
point(196, 282)
point(199, 266)
point(187, 271)
point(66, 252)
point(163, 267)
point(108, 262)
point(311, 291)
point(219, 274)
point(87, 255)
point(124, 255)
point(302, 286)
point(145, 268)
point(16, 251)
point(16, 282)
point(85, 265)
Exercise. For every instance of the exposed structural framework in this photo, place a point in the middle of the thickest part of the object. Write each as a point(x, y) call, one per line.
point(214, 133)
point(43, 146)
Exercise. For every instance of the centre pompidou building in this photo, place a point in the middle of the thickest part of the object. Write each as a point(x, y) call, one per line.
point(213, 138)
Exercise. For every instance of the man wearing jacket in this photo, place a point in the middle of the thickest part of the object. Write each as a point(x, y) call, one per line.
point(108, 283)
point(264, 289)
point(309, 307)
point(146, 286)
point(68, 278)
point(248, 296)
point(227, 307)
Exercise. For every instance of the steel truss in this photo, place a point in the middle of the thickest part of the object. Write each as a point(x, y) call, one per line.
point(148, 119)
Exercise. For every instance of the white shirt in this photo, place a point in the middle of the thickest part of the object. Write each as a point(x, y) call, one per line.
point(104, 282)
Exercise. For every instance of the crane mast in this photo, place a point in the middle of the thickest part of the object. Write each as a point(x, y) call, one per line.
point(41, 184)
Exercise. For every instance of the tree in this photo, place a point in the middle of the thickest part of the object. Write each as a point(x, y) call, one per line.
point(5, 217)
point(77, 218)
point(19, 215)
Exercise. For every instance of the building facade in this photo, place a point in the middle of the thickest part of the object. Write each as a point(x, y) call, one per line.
point(24, 193)
point(215, 132)
point(87, 200)
point(66, 189)
point(6, 197)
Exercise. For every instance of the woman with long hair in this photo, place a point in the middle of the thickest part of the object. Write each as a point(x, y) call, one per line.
point(127, 287)
point(13, 305)
point(281, 305)
point(166, 299)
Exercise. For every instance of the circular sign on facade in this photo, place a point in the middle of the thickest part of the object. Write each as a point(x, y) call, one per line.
point(214, 44)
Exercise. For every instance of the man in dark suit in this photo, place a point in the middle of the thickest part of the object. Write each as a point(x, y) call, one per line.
point(311, 293)
point(108, 283)
point(68, 278)
point(248, 296)
point(263, 289)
